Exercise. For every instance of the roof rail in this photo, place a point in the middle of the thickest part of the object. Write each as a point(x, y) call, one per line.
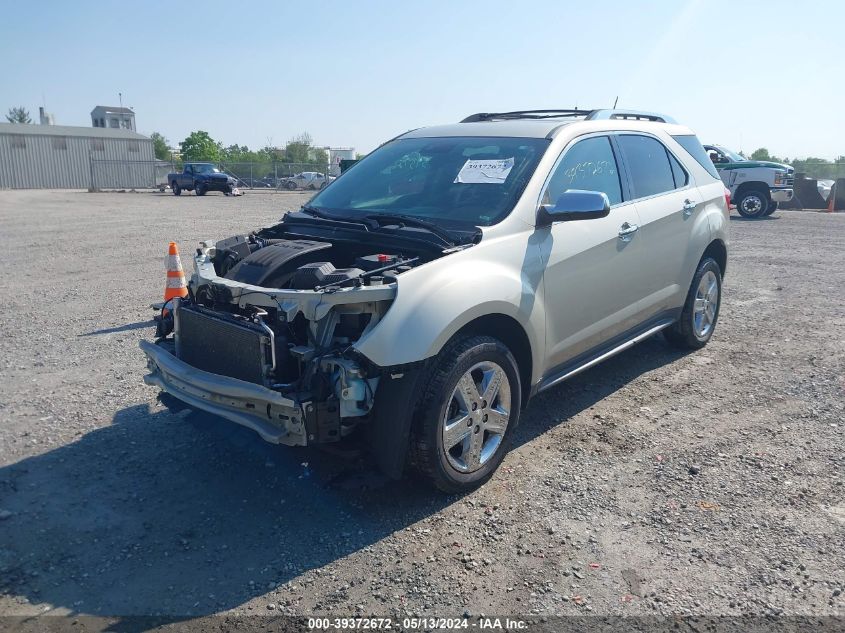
point(588, 115)
point(527, 114)
point(629, 115)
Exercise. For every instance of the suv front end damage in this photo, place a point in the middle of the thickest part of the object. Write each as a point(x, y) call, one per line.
point(278, 360)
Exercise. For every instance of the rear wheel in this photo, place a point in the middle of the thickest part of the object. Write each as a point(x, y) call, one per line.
point(175, 188)
point(753, 203)
point(701, 310)
point(466, 414)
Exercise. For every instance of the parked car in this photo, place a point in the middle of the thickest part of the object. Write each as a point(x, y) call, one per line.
point(305, 180)
point(756, 186)
point(453, 274)
point(200, 178)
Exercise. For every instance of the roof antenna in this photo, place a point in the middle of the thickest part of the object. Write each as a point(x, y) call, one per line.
point(615, 102)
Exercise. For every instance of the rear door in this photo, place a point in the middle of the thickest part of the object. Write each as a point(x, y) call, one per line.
point(670, 210)
point(590, 288)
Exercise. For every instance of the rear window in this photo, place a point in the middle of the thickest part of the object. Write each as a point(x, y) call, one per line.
point(648, 164)
point(691, 143)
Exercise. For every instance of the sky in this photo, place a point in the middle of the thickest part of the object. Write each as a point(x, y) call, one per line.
point(741, 73)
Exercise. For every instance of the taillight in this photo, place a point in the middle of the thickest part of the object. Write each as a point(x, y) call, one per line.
point(728, 199)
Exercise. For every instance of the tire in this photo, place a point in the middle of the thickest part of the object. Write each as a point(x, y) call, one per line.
point(753, 203)
point(480, 442)
point(773, 206)
point(701, 309)
point(175, 188)
point(200, 189)
point(290, 185)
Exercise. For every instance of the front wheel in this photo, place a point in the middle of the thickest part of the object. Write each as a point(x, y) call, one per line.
point(701, 310)
point(753, 204)
point(466, 414)
point(199, 189)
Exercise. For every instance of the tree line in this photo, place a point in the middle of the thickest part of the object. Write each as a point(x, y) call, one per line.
point(819, 168)
point(200, 146)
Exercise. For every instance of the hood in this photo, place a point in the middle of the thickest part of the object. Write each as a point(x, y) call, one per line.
point(751, 164)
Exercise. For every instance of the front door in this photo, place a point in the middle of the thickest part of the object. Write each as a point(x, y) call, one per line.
point(592, 266)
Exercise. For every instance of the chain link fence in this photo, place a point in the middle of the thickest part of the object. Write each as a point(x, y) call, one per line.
point(139, 174)
point(270, 175)
point(820, 170)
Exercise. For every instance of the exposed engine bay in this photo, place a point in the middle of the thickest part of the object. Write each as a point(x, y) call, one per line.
point(270, 323)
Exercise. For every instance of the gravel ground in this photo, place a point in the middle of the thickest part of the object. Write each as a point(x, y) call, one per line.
point(706, 483)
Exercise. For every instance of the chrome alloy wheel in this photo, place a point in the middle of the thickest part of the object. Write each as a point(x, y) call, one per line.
point(476, 417)
point(706, 304)
point(752, 204)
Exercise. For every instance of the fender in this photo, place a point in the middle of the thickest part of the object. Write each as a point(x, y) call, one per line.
point(469, 284)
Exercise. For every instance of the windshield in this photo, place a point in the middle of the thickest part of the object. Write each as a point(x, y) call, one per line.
point(205, 168)
point(452, 181)
point(736, 158)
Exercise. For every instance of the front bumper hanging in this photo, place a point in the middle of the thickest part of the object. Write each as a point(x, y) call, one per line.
point(277, 419)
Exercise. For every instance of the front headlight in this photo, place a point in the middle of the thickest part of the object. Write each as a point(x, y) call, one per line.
point(780, 177)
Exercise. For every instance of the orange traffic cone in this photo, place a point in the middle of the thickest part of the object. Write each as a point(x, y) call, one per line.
point(831, 201)
point(176, 286)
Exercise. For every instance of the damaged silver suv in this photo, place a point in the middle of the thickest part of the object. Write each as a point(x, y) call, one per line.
point(424, 296)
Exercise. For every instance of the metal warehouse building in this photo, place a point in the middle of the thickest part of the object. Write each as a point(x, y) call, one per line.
point(65, 157)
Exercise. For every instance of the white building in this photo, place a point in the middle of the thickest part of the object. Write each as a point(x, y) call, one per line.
point(113, 117)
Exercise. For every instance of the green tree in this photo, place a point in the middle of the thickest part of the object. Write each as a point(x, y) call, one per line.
point(18, 115)
point(320, 157)
point(161, 146)
point(298, 149)
point(763, 154)
point(200, 146)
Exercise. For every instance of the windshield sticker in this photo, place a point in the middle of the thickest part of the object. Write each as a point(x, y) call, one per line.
point(485, 171)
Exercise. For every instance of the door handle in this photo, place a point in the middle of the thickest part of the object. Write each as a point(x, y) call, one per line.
point(689, 207)
point(627, 230)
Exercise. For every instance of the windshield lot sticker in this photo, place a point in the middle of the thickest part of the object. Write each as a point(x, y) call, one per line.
point(485, 171)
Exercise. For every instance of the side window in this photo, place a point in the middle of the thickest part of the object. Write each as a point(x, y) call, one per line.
point(589, 165)
point(648, 164)
point(678, 172)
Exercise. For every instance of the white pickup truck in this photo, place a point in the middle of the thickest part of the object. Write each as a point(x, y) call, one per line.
point(756, 186)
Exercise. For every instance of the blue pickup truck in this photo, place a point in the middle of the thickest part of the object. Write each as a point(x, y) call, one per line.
point(200, 178)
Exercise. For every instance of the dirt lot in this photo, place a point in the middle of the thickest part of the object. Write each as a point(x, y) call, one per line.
point(707, 483)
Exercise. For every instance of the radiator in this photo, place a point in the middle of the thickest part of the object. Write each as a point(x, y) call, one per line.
point(219, 345)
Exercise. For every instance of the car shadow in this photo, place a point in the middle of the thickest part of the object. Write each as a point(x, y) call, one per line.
point(178, 513)
point(185, 514)
point(121, 328)
point(562, 402)
point(765, 218)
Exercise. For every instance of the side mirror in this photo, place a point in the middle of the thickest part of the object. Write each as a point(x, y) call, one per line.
point(574, 204)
